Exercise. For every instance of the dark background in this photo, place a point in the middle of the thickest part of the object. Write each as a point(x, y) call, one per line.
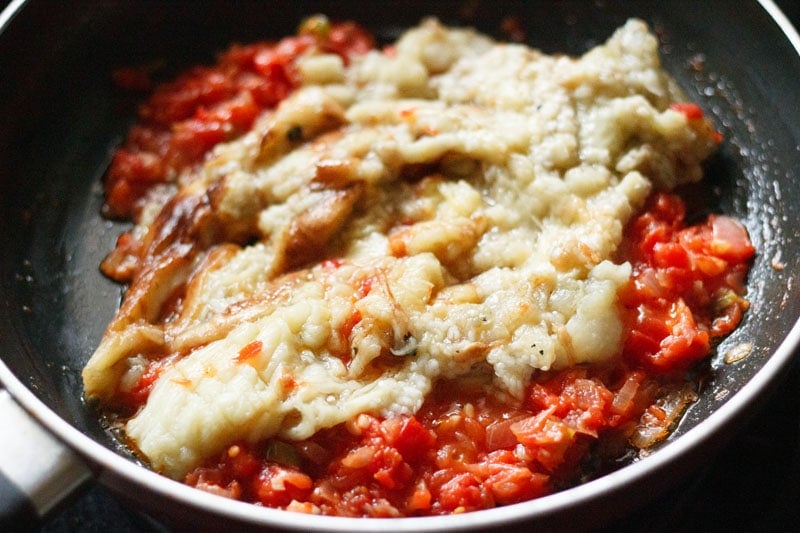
point(753, 484)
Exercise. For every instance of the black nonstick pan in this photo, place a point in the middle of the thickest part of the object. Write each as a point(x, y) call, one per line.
point(61, 117)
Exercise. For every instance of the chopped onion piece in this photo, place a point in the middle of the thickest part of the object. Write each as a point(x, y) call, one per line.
point(657, 421)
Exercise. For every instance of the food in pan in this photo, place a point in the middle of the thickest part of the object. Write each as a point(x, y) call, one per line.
point(432, 277)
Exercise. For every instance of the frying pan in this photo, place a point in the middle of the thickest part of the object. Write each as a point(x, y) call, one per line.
point(62, 117)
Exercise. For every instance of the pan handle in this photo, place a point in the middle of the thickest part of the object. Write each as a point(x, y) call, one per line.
point(37, 471)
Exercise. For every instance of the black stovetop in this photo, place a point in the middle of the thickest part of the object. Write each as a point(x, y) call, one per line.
point(752, 484)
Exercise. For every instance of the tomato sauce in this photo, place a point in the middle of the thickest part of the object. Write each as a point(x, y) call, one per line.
point(462, 451)
point(183, 119)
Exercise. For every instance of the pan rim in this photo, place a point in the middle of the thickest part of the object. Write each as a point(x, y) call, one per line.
point(106, 460)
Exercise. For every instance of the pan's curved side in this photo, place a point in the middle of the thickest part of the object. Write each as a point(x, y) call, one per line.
point(57, 194)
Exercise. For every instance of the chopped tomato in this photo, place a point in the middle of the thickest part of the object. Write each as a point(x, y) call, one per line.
point(249, 351)
point(694, 114)
point(348, 40)
point(130, 398)
point(460, 492)
point(691, 110)
point(510, 482)
point(685, 280)
point(183, 119)
point(414, 440)
point(549, 436)
point(278, 486)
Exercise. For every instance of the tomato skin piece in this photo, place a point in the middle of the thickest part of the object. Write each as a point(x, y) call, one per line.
point(250, 351)
point(414, 441)
point(346, 329)
point(277, 486)
point(389, 468)
point(420, 499)
point(512, 483)
point(129, 399)
point(690, 110)
point(348, 39)
point(674, 339)
point(549, 436)
point(461, 493)
point(694, 114)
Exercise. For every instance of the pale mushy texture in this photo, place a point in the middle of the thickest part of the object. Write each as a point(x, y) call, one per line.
point(449, 209)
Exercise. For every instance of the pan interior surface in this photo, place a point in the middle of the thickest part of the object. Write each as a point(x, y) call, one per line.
point(63, 117)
